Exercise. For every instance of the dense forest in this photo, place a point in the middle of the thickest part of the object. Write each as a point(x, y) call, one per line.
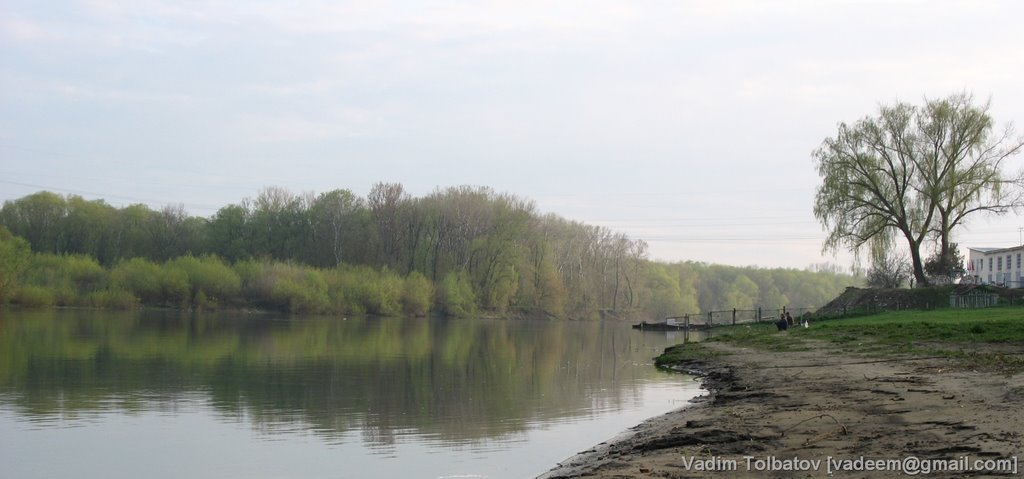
point(460, 251)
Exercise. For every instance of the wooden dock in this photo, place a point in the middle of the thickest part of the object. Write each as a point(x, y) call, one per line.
point(673, 323)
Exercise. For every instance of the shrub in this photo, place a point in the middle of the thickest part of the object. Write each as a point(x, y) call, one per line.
point(384, 294)
point(251, 274)
point(301, 292)
point(112, 299)
point(204, 302)
point(174, 286)
point(210, 276)
point(68, 278)
point(66, 296)
point(33, 297)
point(284, 286)
point(86, 275)
point(361, 290)
point(336, 295)
point(15, 255)
point(139, 277)
point(416, 294)
point(346, 288)
point(456, 295)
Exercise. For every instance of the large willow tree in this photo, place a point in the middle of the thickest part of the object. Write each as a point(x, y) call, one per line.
point(916, 173)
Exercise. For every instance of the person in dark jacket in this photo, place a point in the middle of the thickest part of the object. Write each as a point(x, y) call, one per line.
point(782, 324)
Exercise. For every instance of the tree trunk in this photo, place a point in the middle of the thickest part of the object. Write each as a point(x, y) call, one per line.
point(915, 257)
point(944, 239)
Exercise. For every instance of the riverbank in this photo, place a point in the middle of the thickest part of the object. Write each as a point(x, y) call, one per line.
point(791, 411)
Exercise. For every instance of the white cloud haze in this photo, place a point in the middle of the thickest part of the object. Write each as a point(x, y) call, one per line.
point(686, 123)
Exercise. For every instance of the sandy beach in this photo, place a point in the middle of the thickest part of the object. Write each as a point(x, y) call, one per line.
point(820, 411)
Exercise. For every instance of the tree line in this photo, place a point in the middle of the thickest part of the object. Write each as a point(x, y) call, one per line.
point(459, 251)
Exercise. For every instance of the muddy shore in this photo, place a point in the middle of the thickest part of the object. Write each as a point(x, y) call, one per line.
point(821, 411)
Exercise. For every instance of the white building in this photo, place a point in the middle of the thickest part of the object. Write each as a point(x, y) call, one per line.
point(999, 266)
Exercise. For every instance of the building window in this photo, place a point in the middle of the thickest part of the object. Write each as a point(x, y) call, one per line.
point(999, 263)
point(990, 268)
point(1018, 260)
point(1009, 261)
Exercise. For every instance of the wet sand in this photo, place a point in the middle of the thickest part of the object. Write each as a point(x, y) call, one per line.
point(808, 413)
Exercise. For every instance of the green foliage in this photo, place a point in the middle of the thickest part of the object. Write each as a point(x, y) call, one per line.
point(227, 233)
point(69, 278)
point(912, 172)
point(456, 296)
point(352, 290)
point(15, 255)
point(85, 274)
point(112, 299)
point(33, 297)
point(417, 294)
point(383, 293)
point(210, 276)
point(174, 285)
point(666, 296)
point(34, 217)
point(283, 286)
point(742, 293)
point(341, 219)
point(303, 291)
point(383, 254)
point(551, 293)
point(152, 283)
point(139, 277)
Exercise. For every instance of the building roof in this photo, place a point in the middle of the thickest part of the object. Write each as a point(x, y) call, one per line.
point(987, 250)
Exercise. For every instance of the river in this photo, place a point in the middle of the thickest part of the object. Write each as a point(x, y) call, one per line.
point(157, 394)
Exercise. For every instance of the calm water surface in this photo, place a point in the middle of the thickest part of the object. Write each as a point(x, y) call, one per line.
point(167, 395)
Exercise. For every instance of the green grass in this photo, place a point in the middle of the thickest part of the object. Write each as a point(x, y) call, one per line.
point(683, 353)
point(761, 336)
point(989, 339)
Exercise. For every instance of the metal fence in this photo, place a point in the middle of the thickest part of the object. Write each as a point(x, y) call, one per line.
point(737, 316)
point(973, 300)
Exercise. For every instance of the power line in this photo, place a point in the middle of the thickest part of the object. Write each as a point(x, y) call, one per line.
point(149, 201)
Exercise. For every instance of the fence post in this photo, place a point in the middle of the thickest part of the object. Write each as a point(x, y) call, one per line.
point(758, 314)
point(734, 316)
point(710, 319)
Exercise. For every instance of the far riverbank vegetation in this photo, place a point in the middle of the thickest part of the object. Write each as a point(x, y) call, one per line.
point(460, 251)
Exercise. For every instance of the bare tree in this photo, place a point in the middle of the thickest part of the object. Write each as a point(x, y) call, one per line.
point(888, 269)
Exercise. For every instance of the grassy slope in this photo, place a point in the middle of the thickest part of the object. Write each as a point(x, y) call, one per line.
point(983, 338)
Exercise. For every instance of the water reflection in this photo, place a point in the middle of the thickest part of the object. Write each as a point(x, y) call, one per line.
point(472, 385)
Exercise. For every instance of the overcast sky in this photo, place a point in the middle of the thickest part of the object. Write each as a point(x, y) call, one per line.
point(689, 124)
